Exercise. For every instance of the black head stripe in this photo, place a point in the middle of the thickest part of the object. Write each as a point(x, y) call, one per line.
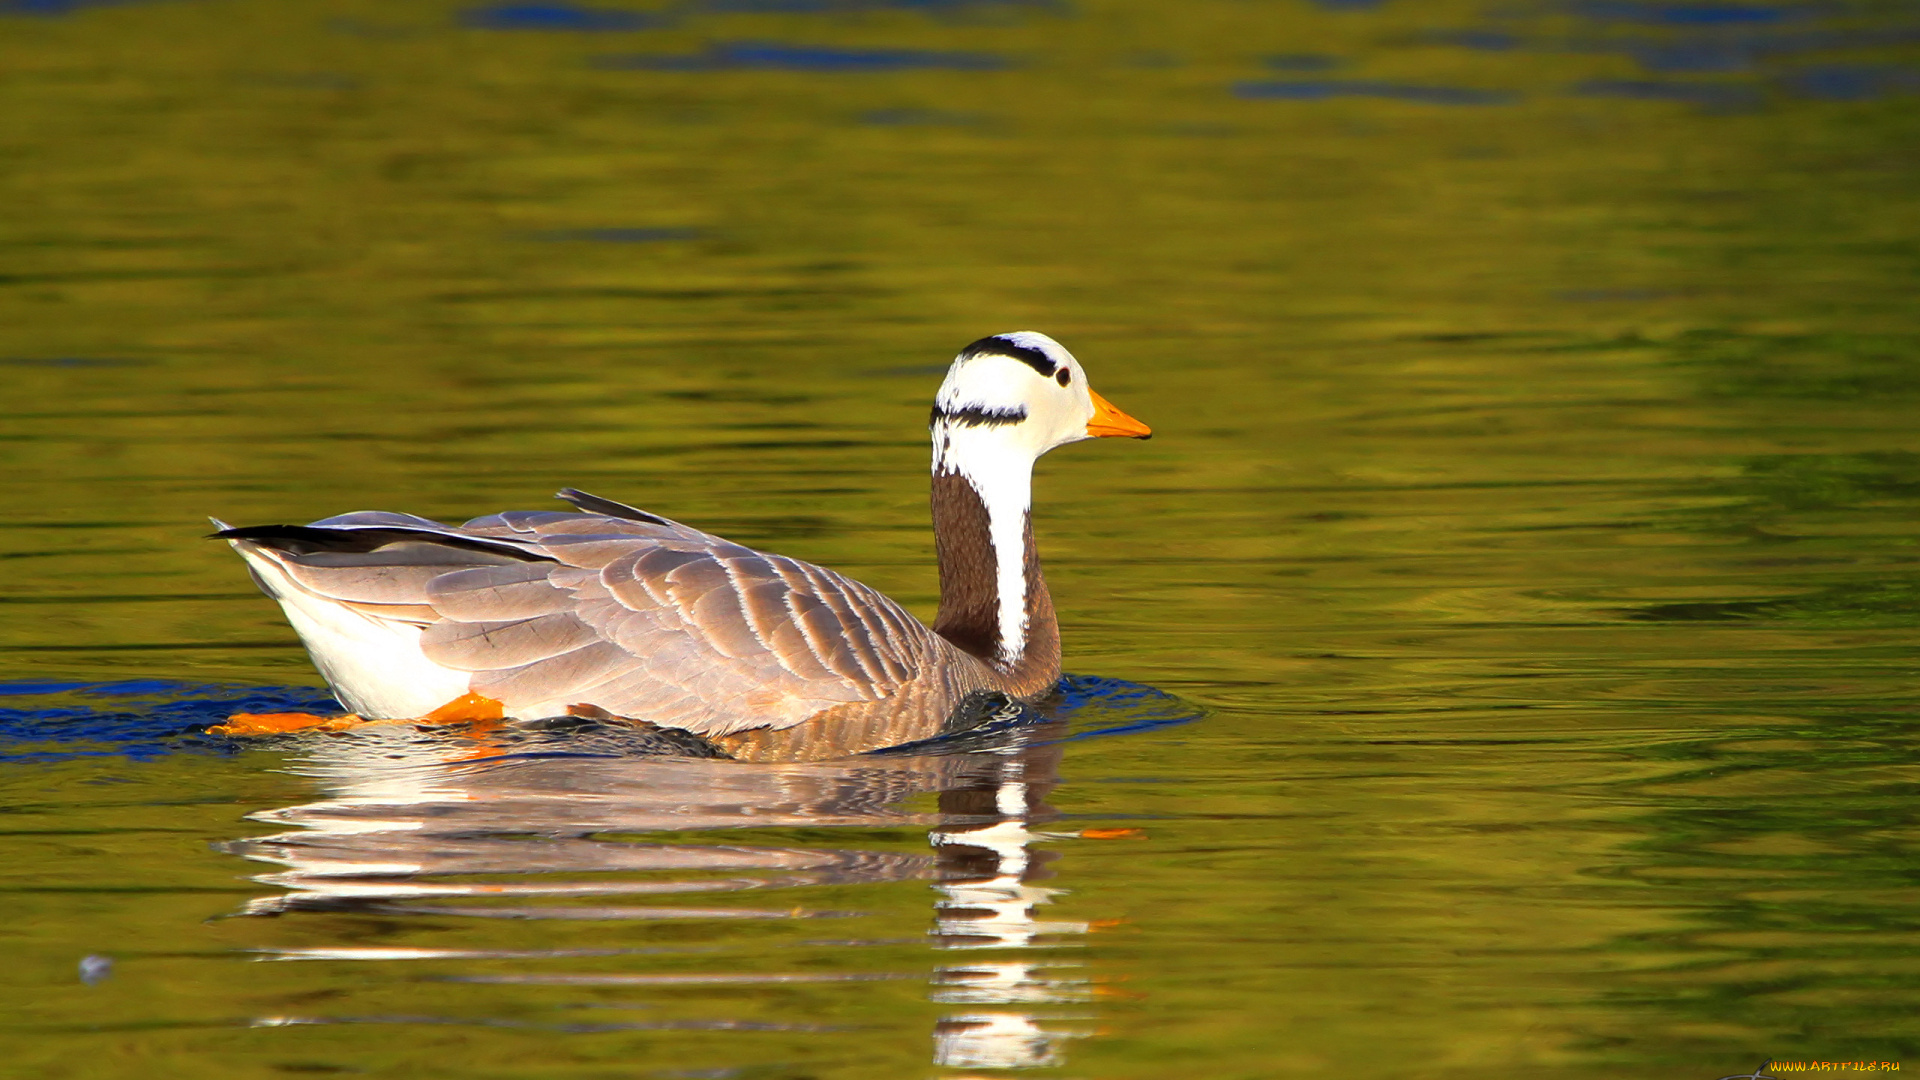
point(999, 346)
point(975, 416)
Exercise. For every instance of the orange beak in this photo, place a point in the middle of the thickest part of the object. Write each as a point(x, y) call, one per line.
point(1109, 422)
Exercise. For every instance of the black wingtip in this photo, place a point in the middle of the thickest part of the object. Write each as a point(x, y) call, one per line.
point(306, 539)
point(255, 532)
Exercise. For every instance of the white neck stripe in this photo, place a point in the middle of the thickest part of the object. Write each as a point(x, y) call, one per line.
point(1002, 475)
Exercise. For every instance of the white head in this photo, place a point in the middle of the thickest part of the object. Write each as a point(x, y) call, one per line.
point(1010, 398)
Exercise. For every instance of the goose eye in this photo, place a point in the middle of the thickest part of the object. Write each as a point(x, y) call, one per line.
point(1063, 376)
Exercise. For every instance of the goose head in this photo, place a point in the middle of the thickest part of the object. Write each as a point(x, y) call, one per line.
point(1010, 398)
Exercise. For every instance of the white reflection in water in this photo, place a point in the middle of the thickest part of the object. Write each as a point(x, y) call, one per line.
point(410, 819)
point(999, 1040)
point(1010, 984)
point(988, 901)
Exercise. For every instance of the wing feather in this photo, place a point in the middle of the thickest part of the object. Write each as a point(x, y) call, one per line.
point(787, 644)
point(418, 614)
point(722, 621)
point(891, 626)
point(763, 596)
point(357, 582)
point(821, 629)
point(855, 633)
point(498, 593)
point(492, 646)
point(637, 615)
point(561, 678)
point(597, 551)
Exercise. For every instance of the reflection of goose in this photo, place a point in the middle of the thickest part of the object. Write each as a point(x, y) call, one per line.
point(988, 901)
point(415, 831)
point(401, 822)
point(616, 611)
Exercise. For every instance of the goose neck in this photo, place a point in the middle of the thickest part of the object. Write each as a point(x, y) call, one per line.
point(994, 603)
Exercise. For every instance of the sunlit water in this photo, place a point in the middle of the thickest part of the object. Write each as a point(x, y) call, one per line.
point(1501, 663)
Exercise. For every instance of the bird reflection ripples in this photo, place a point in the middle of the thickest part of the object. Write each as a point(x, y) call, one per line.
point(425, 830)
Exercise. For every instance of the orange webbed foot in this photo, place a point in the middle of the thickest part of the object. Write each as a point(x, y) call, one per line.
point(280, 723)
point(465, 709)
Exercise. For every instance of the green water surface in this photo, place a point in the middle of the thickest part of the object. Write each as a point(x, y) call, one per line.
point(1530, 526)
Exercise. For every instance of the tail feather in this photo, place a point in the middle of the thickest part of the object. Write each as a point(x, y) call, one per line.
point(309, 540)
point(594, 504)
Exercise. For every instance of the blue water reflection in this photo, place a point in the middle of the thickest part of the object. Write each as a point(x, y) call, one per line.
point(1689, 14)
point(1716, 39)
point(1729, 40)
point(562, 17)
point(51, 7)
point(1862, 82)
point(139, 719)
point(1704, 94)
point(1324, 89)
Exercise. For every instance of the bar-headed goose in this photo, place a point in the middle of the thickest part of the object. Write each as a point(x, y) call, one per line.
point(615, 611)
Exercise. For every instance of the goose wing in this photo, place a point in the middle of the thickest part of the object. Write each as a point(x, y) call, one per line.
point(619, 609)
point(656, 620)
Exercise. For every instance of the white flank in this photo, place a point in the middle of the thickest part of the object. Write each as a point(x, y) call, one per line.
point(374, 665)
